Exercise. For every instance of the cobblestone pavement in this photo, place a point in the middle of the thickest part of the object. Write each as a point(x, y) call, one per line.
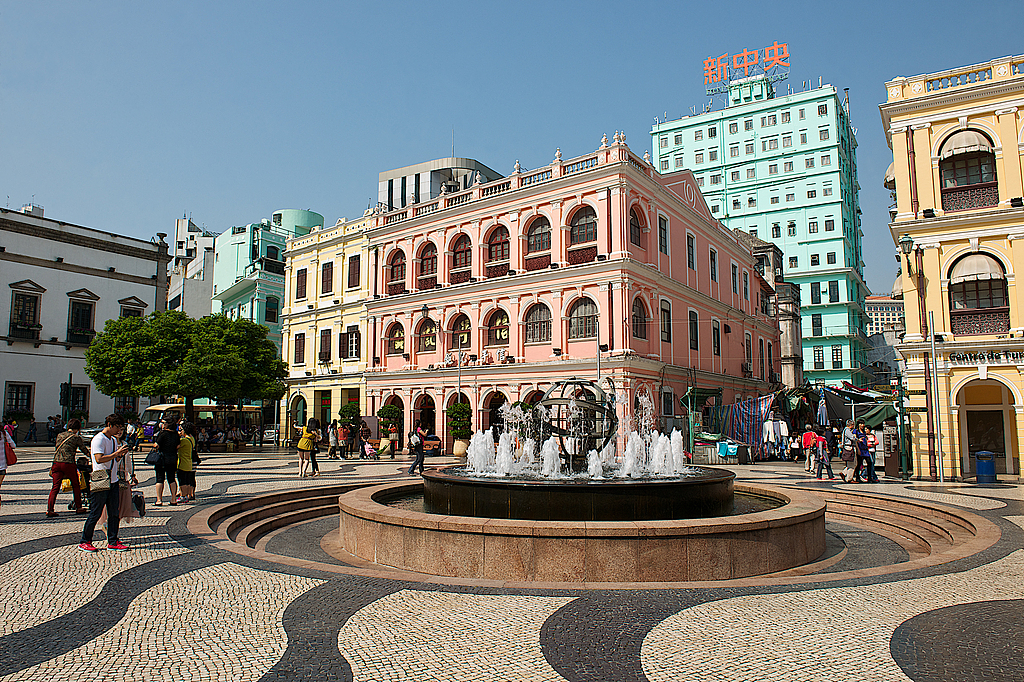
point(178, 608)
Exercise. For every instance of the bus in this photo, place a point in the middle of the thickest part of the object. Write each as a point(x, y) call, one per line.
point(248, 417)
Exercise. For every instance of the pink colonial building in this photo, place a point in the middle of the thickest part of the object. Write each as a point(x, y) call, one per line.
point(592, 266)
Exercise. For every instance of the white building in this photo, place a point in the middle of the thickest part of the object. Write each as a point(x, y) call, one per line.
point(65, 282)
point(191, 287)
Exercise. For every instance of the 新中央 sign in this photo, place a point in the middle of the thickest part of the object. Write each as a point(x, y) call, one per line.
point(718, 71)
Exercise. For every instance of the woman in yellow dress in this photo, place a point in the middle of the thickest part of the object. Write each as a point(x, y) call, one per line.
point(307, 442)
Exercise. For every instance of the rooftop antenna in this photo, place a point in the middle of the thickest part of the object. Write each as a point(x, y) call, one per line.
point(453, 142)
point(819, 81)
point(846, 101)
point(805, 85)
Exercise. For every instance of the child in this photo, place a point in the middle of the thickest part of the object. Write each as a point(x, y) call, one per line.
point(370, 452)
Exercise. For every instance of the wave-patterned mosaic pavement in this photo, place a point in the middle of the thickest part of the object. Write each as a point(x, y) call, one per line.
point(179, 608)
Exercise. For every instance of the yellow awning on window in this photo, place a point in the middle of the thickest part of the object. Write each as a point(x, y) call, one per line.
point(977, 266)
point(964, 142)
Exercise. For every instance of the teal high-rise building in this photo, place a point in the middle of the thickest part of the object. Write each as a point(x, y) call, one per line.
point(784, 168)
point(248, 267)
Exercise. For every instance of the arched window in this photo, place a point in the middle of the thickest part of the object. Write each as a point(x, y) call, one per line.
point(639, 319)
point(497, 245)
point(538, 324)
point(273, 252)
point(968, 169)
point(497, 329)
point(636, 228)
point(428, 260)
point(396, 267)
point(462, 253)
point(427, 336)
point(539, 236)
point(396, 339)
point(461, 332)
point(583, 227)
point(978, 302)
point(583, 319)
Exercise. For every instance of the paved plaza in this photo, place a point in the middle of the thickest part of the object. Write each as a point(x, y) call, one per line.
point(182, 605)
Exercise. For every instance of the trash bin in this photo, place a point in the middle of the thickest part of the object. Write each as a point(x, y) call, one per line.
point(985, 466)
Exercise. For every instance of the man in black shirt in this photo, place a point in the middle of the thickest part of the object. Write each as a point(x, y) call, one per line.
point(167, 443)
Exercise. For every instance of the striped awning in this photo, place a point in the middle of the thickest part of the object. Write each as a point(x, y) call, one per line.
point(977, 266)
point(964, 142)
point(890, 177)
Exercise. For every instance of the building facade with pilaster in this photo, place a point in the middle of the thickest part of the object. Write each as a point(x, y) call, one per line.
point(783, 167)
point(957, 140)
point(596, 267)
point(324, 322)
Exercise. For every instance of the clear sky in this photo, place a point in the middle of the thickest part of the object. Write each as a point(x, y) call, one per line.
point(123, 116)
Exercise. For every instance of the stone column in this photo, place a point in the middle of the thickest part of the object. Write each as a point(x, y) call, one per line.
point(1010, 174)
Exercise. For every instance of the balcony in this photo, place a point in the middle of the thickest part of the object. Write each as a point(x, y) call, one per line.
point(264, 265)
point(29, 332)
point(396, 288)
point(80, 335)
point(976, 322)
point(497, 270)
point(460, 276)
point(982, 195)
point(426, 282)
point(325, 357)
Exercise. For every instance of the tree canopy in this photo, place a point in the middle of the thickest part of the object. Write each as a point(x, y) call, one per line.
point(169, 353)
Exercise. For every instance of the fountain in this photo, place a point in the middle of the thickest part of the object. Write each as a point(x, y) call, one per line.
point(501, 512)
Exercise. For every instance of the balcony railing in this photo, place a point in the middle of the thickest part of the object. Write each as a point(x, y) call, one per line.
point(79, 335)
point(975, 322)
point(264, 265)
point(974, 196)
point(395, 288)
point(24, 331)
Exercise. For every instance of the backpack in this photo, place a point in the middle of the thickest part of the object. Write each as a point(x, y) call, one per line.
point(414, 440)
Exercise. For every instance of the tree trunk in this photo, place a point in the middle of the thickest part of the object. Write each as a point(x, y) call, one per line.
point(190, 409)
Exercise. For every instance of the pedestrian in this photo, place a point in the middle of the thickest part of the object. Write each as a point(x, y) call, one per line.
point(332, 439)
point(848, 448)
point(11, 429)
point(7, 442)
point(102, 496)
point(307, 442)
point(203, 439)
point(68, 445)
point(416, 447)
point(822, 456)
point(809, 442)
point(862, 452)
point(872, 477)
point(316, 449)
point(167, 467)
point(31, 431)
point(343, 437)
point(186, 472)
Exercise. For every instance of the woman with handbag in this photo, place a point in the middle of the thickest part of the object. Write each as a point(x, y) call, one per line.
point(848, 451)
point(69, 443)
point(105, 486)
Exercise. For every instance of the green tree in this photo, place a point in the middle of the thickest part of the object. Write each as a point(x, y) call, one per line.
point(169, 353)
point(459, 420)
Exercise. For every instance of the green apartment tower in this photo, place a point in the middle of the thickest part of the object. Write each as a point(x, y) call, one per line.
point(784, 168)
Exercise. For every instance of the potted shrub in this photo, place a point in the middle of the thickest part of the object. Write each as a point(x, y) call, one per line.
point(460, 427)
point(390, 419)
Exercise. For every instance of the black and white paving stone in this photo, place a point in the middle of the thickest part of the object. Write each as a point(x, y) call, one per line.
point(177, 608)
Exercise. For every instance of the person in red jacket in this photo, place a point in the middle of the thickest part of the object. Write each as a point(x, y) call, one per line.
point(810, 443)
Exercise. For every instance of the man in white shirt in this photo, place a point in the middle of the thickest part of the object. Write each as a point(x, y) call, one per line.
point(105, 452)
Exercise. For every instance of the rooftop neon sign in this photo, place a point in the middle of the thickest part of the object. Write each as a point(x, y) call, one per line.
point(718, 71)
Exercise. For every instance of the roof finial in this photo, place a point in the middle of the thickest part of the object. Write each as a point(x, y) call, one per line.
point(518, 168)
point(604, 140)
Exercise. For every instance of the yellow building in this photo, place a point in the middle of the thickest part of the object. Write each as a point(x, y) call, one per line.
point(957, 142)
point(324, 323)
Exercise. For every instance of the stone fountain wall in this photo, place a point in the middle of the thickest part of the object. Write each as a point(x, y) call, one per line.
point(575, 552)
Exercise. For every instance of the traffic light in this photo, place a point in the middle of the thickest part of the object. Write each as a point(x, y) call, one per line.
point(65, 394)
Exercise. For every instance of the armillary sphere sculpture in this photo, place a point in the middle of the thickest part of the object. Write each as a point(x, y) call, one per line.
point(591, 427)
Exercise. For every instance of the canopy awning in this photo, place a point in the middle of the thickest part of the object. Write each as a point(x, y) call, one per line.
point(897, 287)
point(890, 177)
point(964, 142)
point(976, 266)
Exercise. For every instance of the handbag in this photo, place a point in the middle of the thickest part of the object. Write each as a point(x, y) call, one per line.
point(153, 457)
point(99, 480)
point(414, 440)
point(12, 457)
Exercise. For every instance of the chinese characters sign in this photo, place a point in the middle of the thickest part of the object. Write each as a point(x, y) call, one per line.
point(718, 71)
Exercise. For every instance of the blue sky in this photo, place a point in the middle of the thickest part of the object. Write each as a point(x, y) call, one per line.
point(125, 116)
